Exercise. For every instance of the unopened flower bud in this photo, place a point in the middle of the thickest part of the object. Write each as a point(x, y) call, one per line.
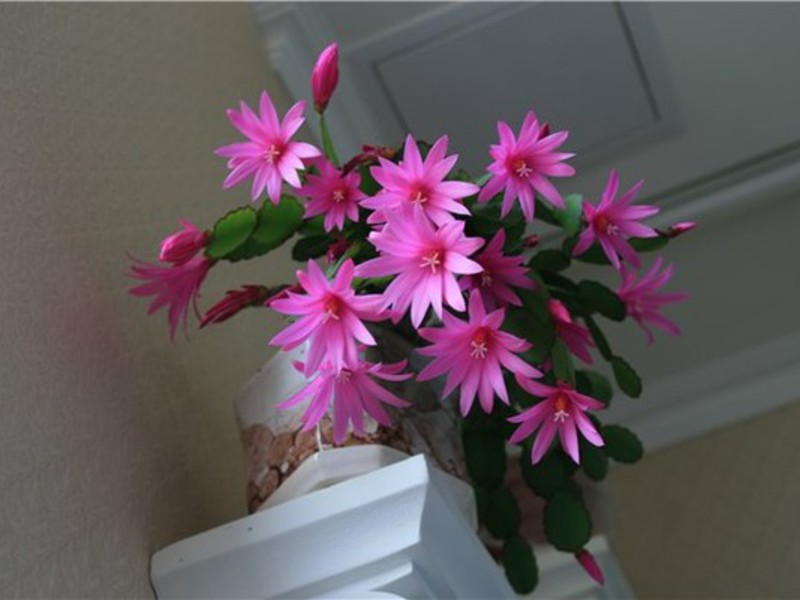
point(589, 564)
point(233, 302)
point(182, 246)
point(530, 241)
point(337, 249)
point(325, 76)
point(544, 131)
point(283, 292)
point(680, 228)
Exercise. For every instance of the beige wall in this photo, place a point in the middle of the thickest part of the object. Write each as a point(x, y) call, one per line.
point(113, 442)
point(716, 517)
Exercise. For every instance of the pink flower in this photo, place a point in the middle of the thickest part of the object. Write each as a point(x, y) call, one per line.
point(613, 221)
point(425, 259)
point(577, 338)
point(180, 247)
point(233, 302)
point(176, 286)
point(325, 76)
point(472, 353)
point(589, 564)
point(352, 391)
point(680, 228)
point(522, 166)
point(643, 301)
point(499, 273)
point(332, 317)
point(270, 155)
point(420, 183)
point(332, 194)
point(562, 410)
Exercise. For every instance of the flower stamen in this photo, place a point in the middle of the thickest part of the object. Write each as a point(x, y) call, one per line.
point(431, 260)
point(486, 278)
point(419, 197)
point(522, 169)
point(332, 306)
point(560, 403)
point(272, 154)
point(479, 344)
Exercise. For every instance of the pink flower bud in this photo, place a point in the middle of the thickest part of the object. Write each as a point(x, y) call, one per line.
point(680, 228)
point(337, 249)
point(589, 564)
point(283, 292)
point(233, 302)
point(182, 246)
point(325, 76)
point(544, 131)
point(530, 241)
point(370, 155)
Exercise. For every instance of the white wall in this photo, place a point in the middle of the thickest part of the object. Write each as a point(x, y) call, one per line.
point(113, 441)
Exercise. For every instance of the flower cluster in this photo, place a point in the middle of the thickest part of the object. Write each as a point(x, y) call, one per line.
point(415, 245)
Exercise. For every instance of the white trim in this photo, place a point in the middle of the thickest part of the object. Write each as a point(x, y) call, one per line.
point(401, 529)
point(760, 184)
point(715, 395)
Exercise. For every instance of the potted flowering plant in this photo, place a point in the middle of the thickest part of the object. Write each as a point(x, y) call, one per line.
point(416, 247)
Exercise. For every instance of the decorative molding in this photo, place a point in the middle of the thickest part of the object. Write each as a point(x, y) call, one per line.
point(294, 34)
point(401, 530)
point(716, 394)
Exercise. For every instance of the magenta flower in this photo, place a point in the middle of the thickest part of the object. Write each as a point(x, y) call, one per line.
point(577, 338)
point(332, 194)
point(332, 316)
point(420, 183)
point(269, 155)
point(182, 246)
point(522, 166)
point(176, 287)
point(643, 301)
point(234, 302)
point(325, 76)
point(561, 410)
point(613, 221)
point(472, 353)
point(499, 273)
point(425, 259)
point(353, 391)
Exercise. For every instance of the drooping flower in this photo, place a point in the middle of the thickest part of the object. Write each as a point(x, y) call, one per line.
point(577, 338)
point(270, 155)
point(325, 76)
point(233, 302)
point(420, 183)
point(522, 166)
point(473, 353)
point(499, 274)
point(353, 391)
point(331, 317)
point(644, 302)
point(176, 287)
point(425, 259)
point(332, 194)
point(183, 245)
point(561, 410)
point(587, 561)
point(613, 221)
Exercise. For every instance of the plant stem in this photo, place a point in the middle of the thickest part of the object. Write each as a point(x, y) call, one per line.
point(327, 143)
